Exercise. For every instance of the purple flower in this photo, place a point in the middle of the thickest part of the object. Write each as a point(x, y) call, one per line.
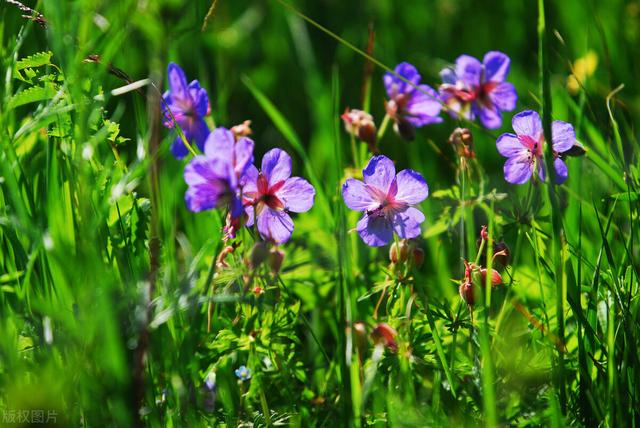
point(188, 104)
point(214, 177)
point(269, 194)
point(386, 200)
point(411, 105)
point(525, 148)
point(479, 90)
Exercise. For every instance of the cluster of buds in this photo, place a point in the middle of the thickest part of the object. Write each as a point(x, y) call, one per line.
point(501, 254)
point(406, 251)
point(261, 253)
point(360, 123)
point(472, 271)
point(475, 274)
point(462, 142)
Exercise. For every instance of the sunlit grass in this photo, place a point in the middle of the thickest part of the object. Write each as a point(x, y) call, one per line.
point(114, 310)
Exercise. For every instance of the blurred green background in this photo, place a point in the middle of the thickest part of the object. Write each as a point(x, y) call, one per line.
point(69, 256)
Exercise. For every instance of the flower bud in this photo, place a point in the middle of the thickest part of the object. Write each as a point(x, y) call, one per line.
point(259, 253)
point(576, 150)
point(496, 279)
point(361, 124)
point(466, 292)
point(384, 334)
point(462, 141)
point(418, 256)
point(501, 255)
point(399, 251)
point(242, 130)
point(257, 290)
point(483, 233)
point(276, 257)
point(405, 130)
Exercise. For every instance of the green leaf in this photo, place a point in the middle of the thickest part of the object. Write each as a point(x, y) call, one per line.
point(39, 59)
point(31, 95)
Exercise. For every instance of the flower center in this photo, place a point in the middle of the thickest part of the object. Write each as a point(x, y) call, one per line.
point(267, 195)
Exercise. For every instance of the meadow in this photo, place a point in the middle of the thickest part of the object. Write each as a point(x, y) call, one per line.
point(319, 213)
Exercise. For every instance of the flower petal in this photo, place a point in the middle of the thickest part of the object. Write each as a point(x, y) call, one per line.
point(177, 82)
point(276, 166)
point(249, 183)
point(423, 107)
point(562, 172)
point(395, 85)
point(407, 223)
point(518, 170)
point(542, 169)
point(412, 187)
point(219, 144)
point(379, 173)
point(204, 196)
point(504, 96)
point(496, 66)
point(274, 225)
point(358, 197)
point(200, 98)
point(490, 116)
point(375, 231)
point(249, 211)
point(203, 170)
point(510, 146)
point(243, 155)
point(178, 148)
point(469, 70)
point(198, 133)
point(562, 135)
point(207, 183)
point(527, 123)
point(298, 194)
point(448, 75)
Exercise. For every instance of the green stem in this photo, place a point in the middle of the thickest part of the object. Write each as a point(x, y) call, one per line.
point(354, 150)
point(557, 236)
point(383, 127)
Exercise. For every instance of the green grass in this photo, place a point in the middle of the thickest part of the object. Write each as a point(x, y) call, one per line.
point(113, 311)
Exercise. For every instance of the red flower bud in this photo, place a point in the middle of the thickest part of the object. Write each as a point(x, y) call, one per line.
point(276, 257)
point(483, 233)
point(384, 334)
point(360, 123)
point(399, 252)
point(418, 256)
point(496, 279)
point(466, 292)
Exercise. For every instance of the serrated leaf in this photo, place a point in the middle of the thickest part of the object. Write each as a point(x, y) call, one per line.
point(39, 59)
point(32, 95)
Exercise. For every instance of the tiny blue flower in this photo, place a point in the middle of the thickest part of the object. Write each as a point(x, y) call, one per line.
point(243, 373)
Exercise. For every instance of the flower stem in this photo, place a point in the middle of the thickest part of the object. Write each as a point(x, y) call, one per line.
point(383, 127)
point(354, 151)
